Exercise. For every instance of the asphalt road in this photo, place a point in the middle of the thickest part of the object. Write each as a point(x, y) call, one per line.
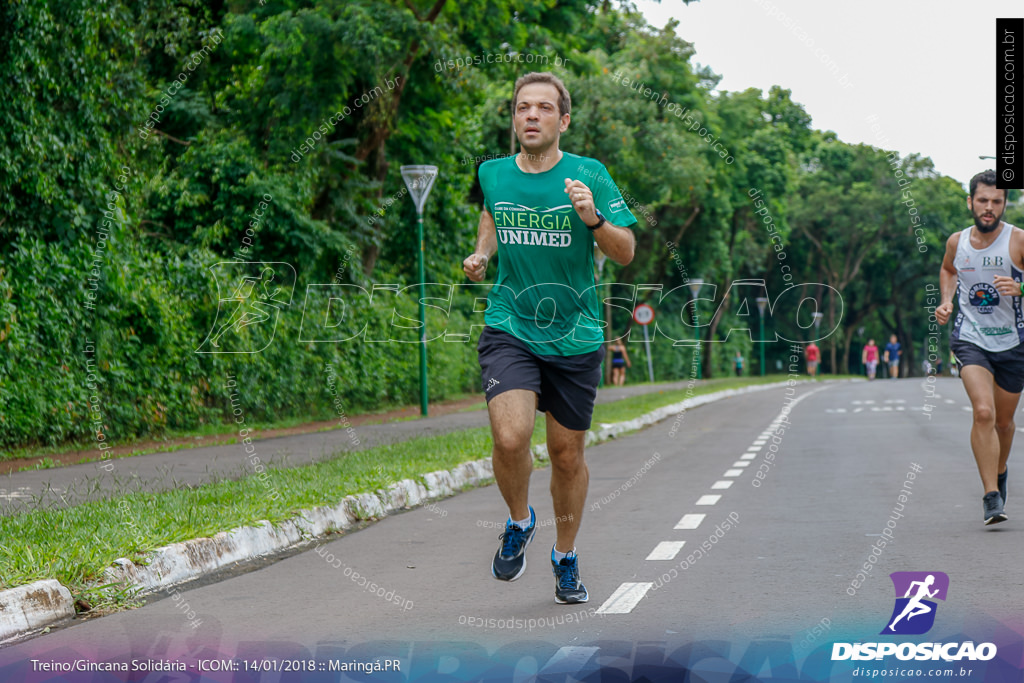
point(764, 594)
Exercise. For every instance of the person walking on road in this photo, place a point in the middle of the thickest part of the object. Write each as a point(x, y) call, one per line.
point(543, 210)
point(984, 268)
point(738, 363)
point(812, 355)
point(892, 356)
point(620, 361)
point(869, 357)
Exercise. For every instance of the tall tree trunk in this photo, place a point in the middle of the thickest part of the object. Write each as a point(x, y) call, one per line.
point(832, 337)
point(846, 351)
point(709, 348)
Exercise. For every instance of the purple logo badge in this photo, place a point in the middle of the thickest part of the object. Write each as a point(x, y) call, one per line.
point(914, 612)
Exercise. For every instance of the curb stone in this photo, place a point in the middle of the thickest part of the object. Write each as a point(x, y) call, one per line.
point(34, 606)
point(27, 609)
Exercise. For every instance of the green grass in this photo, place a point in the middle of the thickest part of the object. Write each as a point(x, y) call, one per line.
point(44, 464)
point(75, 544)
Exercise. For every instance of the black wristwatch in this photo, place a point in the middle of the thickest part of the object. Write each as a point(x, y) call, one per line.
point(600, 221)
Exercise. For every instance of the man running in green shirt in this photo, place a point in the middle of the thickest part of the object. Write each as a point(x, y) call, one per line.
point(542, 344)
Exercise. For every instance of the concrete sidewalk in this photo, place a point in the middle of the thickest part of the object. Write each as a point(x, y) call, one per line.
point(75, 484)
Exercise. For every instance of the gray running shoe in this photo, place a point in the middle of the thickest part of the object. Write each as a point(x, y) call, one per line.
point(993, 504)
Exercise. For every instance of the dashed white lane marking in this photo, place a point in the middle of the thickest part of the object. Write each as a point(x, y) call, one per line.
point(858, 410)
point(691, 521)
point(748, 456)
point(741, 463)
point(753, 449)
point(666, 550)
point(709, 499)
point(967, 408)
point(949, 400)
point(625, 598)
point(732, 473)
point(568, 660)
point(760, 442)
point(721, 484)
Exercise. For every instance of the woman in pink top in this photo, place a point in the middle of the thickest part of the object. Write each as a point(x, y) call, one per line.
point(869, 357)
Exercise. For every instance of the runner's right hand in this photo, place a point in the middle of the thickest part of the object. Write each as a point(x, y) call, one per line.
point(943, 312)
point(475, 267)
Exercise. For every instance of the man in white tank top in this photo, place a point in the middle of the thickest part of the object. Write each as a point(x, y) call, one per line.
point(984, 266)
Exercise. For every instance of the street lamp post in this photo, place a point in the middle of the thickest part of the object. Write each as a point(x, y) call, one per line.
point(419, 180)
point(762, 303)
point(695, 286)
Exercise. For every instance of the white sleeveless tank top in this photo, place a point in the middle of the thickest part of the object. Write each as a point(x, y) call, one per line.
point(986, 318)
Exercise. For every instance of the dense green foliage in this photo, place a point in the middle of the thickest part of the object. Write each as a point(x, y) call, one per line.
point(139, 140)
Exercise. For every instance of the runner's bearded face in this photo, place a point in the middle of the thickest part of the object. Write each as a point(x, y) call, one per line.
point(537, 121)
point(987, 207)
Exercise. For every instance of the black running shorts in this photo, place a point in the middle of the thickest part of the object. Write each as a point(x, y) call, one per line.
point(1007, 367)
point(566, 386)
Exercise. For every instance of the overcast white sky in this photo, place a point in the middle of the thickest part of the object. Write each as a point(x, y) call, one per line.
point(925, 69)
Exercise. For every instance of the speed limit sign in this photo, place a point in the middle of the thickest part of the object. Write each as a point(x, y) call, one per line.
point(643, 314)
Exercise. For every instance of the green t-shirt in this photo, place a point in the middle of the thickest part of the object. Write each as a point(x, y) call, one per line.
point(545, 293)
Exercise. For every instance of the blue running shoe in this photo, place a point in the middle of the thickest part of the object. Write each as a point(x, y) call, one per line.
point(510, 561)
point(569, 590)
point(1001, 480)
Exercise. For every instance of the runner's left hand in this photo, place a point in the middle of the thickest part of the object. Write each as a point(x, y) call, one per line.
point(582, 200)
point(1006, 286)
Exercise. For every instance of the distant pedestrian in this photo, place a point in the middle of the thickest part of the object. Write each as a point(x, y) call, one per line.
point(869, 357)
point(892, 356)
point(812, 354)
point(620, 361)
point(738, 363)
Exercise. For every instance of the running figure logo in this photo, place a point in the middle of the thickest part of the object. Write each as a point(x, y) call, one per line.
point(914, 613)
point(247, 317)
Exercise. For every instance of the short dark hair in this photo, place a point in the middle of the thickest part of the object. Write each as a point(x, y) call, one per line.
point(564, 102)
point(986, 177)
